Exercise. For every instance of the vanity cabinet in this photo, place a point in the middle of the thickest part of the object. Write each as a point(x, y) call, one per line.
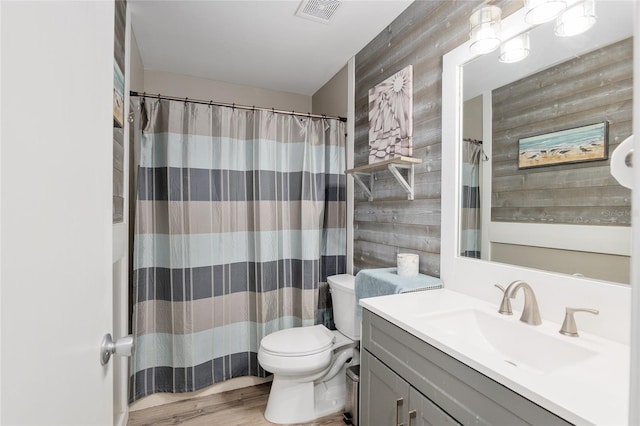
point(393, 401)
point(442, 390)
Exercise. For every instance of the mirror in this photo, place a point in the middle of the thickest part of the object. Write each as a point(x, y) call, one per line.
point(568, 217)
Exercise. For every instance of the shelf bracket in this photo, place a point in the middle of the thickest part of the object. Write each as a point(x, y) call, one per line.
point(364, 186)
point(393, 165)
point(407, 186)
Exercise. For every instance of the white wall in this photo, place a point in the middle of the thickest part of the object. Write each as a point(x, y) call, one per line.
point(136, 70)
point(331, 99)
point(472, 124)
point(179, 85)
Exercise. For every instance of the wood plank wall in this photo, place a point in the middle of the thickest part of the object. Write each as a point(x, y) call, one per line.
point(590, 89)
point(391, 224)
point(118, 136)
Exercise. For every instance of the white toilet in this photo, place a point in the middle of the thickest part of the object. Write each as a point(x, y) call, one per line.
point(309, 363)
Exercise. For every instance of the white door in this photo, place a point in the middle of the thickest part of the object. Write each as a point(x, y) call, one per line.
point(55, 214)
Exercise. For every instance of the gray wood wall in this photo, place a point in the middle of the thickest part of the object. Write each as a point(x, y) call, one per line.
point(590, 89)
point(391, 224)
point(118, 136)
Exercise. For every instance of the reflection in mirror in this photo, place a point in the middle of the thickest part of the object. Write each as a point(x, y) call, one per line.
point(566, 217)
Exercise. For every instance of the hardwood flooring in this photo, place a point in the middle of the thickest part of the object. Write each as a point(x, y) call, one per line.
point(240, 407)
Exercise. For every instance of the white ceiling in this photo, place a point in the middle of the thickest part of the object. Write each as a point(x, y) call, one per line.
point(258, 43)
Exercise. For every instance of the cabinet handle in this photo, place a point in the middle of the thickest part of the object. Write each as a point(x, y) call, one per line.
point(398, 403)
point(412, 414)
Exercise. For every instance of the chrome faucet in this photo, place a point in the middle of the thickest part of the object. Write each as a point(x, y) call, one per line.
point(530, 313)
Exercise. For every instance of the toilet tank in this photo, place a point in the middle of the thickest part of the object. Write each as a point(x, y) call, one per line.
point(343, 298)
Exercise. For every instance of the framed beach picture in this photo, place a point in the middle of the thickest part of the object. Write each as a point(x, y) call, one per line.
point(576, 145)
point(391, 117)
point(118, 96)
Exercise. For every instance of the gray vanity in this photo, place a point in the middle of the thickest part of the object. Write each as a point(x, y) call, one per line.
point(404, 380)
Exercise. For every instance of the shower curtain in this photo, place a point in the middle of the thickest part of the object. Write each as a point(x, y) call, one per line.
point(240, 217)
point(470, 233)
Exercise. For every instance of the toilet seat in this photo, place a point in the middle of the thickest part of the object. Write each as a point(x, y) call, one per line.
point(298, 341)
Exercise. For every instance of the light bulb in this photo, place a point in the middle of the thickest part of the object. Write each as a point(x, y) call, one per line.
point(514, 50)
point(540, 11)
point(577, 19)
point(485, 29)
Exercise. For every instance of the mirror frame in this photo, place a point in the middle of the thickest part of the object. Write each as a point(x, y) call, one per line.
point(476, 277)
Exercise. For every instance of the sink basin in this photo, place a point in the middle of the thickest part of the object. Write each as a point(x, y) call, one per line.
point(516, 343)
point(584, 380)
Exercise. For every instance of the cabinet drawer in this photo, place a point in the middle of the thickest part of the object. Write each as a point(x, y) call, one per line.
point(467, 395)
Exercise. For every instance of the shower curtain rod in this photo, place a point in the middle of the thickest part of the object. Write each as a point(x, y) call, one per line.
point(204, 102)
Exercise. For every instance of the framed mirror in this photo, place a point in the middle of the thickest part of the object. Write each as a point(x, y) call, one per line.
point(553, 206)
point(520, 224)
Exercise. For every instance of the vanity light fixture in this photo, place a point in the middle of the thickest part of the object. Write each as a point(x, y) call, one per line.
point(485, 29)
point(577, 19)
point(515, 49)
point(540, 11)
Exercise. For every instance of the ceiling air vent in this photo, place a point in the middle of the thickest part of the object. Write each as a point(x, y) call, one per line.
point(318, 10)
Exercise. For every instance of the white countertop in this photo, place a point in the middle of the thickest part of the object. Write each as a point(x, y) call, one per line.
point(591, 391)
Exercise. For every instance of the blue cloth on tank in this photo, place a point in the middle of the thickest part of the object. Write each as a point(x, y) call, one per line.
point(384, 281)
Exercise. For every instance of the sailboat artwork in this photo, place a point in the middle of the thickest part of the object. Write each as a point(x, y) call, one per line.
point(391, 117)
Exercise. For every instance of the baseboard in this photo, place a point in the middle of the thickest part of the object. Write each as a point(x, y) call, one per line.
point(122, 419)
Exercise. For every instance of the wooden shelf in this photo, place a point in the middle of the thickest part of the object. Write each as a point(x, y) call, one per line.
point(393, 166)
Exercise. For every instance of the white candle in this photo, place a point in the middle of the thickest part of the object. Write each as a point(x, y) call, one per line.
point(408, 264)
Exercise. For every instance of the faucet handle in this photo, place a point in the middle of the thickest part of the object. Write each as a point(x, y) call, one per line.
point(569, 327)
point(505, 305)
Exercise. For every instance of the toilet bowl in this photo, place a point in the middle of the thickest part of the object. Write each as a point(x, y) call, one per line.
point(309, 363)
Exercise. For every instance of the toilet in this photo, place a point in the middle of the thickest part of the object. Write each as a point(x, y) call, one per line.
point(309, 363)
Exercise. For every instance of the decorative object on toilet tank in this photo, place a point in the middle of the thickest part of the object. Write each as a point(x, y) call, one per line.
point(408, 264)
point(391, 117)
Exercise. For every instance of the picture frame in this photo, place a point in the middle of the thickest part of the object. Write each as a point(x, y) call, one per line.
point(391, 117)
point(118, 96)
point(569, 146)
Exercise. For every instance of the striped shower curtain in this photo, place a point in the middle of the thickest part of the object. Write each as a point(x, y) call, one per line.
point(240, 217)
point(470, 232)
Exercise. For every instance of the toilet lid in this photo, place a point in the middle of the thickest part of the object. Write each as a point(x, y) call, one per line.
point(299, 341)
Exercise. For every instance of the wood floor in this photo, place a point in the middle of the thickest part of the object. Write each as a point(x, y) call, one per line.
point(241, 407)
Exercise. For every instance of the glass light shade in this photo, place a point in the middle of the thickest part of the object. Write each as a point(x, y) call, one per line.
point(577, 19)
point(514, 50)
point(485, 29)
point(539, 11)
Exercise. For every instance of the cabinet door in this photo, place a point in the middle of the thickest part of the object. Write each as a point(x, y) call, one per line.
point(423, 412)
point(384, 396)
